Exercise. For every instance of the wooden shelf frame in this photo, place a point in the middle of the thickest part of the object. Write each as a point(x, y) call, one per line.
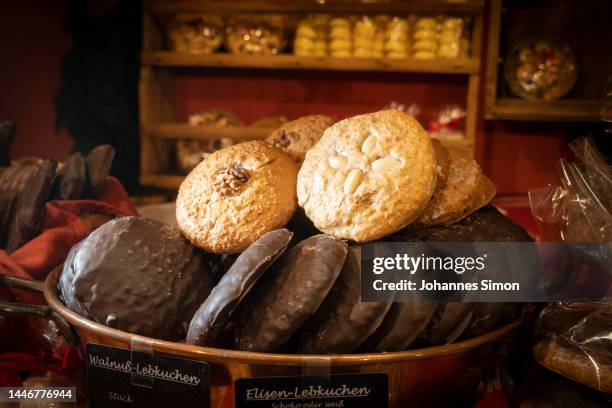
point(463, 66)
point(466, 7)
point(159, 129)
point(185, 131)
point(563, 110)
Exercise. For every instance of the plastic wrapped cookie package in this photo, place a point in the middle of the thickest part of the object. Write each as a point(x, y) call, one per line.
point(196, 33)
point(540, 70)
point(439, 36)
point(191, 152)
point(311, 36)
point(573, 339)
point(256, 34)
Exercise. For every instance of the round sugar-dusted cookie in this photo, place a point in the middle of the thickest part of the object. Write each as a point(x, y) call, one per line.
point(343, 322)
point(368, 176)
point(235, 196)
point(216, 311)
point(403, 323)
point(296, 137)
point(453, 201)
point(290, 293)
point(485, 191)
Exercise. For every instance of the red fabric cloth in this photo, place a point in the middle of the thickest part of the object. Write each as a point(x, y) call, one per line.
point(61, 228)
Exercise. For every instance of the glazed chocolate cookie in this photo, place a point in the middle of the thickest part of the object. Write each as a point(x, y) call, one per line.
point(33, 187)
point(136, 275)
point(235, 196)
point(403, 323)
point(73, 178)
point(216, 311)
point(291, 293)
point(447, 324)
point(342, 323)
point(455, 319)
point(296, 137)
point(99, 162)
point(368, 176)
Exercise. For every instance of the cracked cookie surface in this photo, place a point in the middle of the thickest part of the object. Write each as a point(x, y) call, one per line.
point(459, 196)
point(295, 138)
point(368, 176)
point(235, 196)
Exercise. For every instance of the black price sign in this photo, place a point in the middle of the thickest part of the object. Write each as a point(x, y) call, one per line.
point(342, 390)
point(120, 378)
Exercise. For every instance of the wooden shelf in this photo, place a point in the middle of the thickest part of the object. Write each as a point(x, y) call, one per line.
point(184, 131)
point(465, 7)
point(570, 110)
point(438, 65)
point(173, 181)
point(161, 70)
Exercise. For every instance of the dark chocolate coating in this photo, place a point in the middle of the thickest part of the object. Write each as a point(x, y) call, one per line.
point(484, 317)
point(342, 323)
point(73, 178)
point(291, 292)
point(447, 324)
point(99, 162)
point(453, 318)
point(8, 202)
point(402, 324)
point(136, 275)
point(485, 225)
point(16, 178)
point(30, 204)
point(216, 311)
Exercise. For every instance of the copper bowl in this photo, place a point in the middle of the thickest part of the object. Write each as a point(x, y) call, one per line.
point(433, 376)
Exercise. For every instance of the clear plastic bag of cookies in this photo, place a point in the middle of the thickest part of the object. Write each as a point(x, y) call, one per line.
point(368, 38)
point(196, 33)
point(540, 70)
point(574, 339)
point(257, 34)
point(449, 123)
point(340, 43)
point(425, 34)
point(450, 36)
point(311, 36)
point(189, 153)
point(396, 38)
point(580, 209)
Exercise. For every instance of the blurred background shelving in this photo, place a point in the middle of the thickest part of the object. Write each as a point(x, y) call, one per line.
point(583, 26)
point(174, 84)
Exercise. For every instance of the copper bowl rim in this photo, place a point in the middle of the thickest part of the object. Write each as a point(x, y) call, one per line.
point(224, 356)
